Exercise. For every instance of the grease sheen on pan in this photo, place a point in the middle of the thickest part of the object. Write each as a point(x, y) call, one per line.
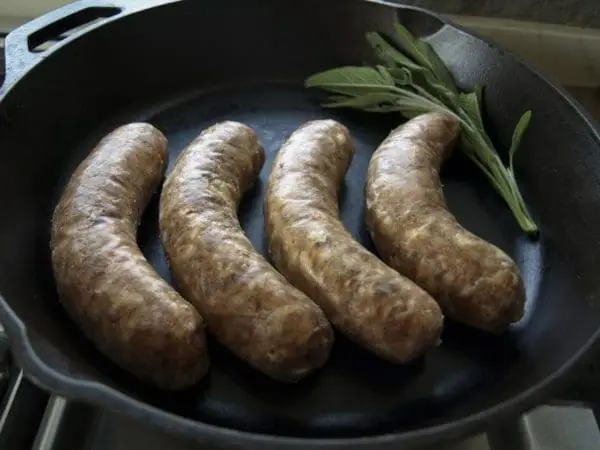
point(104, 282)
point(475, 282)
point(246, 303)
point(365, 299)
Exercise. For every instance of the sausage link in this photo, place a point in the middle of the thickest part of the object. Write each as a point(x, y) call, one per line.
point(474, 282)
point(131, 314)
point(247, 304)
point(364, 298)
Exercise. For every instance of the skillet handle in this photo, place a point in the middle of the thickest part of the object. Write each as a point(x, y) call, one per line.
point(32, 42)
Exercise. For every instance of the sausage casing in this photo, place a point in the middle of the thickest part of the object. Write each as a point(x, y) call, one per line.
point(247, 304)
point(104, 282)
point(364, 298)
point(475, 282)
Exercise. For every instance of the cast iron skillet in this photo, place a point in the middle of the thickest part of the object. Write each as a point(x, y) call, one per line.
point(185, 65)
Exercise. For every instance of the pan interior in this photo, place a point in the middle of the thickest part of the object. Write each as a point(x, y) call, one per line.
point(355, 393)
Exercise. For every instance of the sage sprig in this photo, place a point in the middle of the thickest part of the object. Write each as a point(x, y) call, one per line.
point(414, 80)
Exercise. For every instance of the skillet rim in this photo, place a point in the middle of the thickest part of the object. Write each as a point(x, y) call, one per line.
point(98, 394)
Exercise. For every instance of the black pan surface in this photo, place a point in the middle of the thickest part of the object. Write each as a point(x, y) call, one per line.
point(213, 66)
point(356, 393)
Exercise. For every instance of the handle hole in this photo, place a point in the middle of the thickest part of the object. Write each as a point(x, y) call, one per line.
point(55, 32)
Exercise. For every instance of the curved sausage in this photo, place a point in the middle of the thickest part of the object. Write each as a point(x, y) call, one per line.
point(475, 282)
point(247, 304)
point(364, 298)
point(131, 314)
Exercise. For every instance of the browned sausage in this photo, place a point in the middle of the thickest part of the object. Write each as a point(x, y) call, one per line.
point(475, 282)
point(247, 304)
point(104, 281)
point(365, 299)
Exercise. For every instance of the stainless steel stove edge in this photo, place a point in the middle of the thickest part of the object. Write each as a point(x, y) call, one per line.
point(69, 426)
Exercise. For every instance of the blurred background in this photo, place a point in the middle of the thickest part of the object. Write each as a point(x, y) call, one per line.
point(582, 13)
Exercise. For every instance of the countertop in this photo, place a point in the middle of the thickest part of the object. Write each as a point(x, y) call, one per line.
point(580, 13)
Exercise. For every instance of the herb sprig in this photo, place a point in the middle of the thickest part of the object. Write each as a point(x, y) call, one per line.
point(414, 81)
